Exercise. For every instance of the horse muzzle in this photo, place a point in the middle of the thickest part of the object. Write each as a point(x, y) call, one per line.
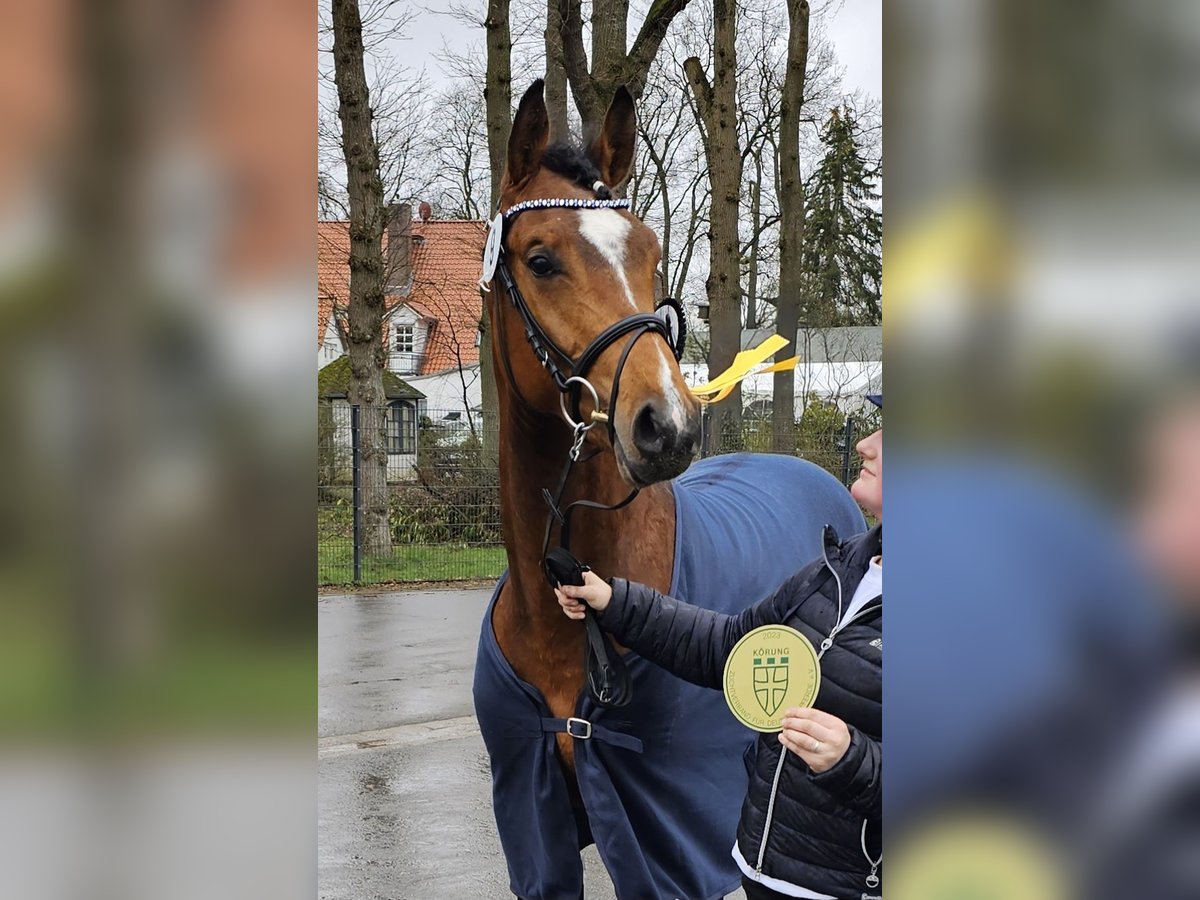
point(661, 444)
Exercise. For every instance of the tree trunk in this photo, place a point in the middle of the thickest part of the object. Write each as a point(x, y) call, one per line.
point(556, 75)
point(717, 104)
point(367, 272)
point(497, 95)
point(611, 66)
point(791, 224)
point(610, 28)
point(660, 176)
point(755, 242)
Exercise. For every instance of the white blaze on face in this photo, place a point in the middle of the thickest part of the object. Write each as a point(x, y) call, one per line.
point(608, 231)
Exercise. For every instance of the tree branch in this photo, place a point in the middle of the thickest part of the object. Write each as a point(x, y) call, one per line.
point(702, 91)
point(575, 60)
point(649, 38)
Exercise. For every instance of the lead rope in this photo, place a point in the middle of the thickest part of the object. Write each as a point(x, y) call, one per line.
point(607, 675)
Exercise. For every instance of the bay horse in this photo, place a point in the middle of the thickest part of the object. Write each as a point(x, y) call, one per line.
point(657, 784)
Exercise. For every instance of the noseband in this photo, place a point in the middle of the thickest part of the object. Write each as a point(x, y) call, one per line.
point(608, 678)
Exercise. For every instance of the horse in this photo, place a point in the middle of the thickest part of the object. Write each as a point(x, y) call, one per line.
point(656, 784)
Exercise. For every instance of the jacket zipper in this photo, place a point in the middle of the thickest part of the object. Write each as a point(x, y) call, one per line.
point(762, 850)
point(825, 645)
point(828, 642)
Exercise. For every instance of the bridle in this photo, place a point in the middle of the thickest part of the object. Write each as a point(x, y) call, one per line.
point(608, 678)
point(553, 358)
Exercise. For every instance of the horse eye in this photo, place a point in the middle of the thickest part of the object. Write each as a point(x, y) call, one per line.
point(541, 265)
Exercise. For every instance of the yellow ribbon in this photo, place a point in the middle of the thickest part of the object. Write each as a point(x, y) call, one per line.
point(747, 363)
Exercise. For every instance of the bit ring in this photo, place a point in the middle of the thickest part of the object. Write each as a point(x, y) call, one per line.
point(562, 402)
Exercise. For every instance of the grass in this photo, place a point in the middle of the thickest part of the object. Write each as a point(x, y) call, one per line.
point(409, 563)
point(206, 684)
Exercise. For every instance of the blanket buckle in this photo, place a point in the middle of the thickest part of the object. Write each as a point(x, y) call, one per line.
point(579, 728)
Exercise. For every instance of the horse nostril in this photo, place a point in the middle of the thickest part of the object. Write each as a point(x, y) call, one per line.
point(690, 439)
point(653, 431)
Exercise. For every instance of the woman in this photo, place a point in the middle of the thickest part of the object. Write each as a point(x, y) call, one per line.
point(810, 822)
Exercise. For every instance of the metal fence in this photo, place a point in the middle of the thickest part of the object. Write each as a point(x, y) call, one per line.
point(443, 510)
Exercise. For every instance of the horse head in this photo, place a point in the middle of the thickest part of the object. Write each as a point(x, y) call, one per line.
point(580, 270)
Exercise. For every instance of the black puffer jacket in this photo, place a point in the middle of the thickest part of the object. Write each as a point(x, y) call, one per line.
point(796, 826)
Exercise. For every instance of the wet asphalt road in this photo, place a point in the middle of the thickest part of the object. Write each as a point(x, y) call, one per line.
point(404, 806)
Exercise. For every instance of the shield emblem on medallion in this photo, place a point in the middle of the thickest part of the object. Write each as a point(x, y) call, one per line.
point(770, 682)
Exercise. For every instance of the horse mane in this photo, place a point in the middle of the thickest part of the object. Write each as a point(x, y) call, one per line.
point(570, 160)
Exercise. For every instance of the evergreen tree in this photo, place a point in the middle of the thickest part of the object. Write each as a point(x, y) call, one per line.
point(843, 230)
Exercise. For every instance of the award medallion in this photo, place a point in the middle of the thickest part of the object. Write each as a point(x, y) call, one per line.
point(771, 669)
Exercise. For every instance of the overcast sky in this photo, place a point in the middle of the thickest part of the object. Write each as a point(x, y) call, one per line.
point(856, 32)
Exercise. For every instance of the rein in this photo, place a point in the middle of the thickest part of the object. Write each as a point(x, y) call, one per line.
point(608, 678)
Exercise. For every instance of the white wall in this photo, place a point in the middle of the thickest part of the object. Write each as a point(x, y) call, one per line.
point(401, 466)
point(444, 394)
point(332, 347)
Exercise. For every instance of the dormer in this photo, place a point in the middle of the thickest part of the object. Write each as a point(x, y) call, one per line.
point(408, 334)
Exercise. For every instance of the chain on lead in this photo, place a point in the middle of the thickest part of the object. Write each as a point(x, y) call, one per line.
point(581, 431)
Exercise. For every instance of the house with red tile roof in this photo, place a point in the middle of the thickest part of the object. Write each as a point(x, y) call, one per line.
point(433, 305)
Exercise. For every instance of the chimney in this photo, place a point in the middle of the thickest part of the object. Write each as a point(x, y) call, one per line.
point(399, 248)
point(426, 211)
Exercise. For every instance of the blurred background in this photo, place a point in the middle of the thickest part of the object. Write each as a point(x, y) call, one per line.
point(157, 639)
point(157, 646)
point(1043, 346)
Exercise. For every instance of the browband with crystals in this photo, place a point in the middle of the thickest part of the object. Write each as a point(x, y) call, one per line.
point(567, 202)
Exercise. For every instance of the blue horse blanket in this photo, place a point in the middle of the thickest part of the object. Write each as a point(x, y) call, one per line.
point(662, 779)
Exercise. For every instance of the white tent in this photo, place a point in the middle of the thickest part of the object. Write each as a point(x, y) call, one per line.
point(844, 383)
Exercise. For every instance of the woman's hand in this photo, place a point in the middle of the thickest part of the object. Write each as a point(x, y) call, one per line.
point(815, 736)
point(594, 590)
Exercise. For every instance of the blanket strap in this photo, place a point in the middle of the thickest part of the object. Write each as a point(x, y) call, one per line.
point(582, 729)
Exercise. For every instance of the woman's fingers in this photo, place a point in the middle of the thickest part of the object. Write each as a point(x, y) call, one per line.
point(594, 591)
point(800, 740)
point(817, 737)
point(573, 608)
point(810, 727)
point(807, 713)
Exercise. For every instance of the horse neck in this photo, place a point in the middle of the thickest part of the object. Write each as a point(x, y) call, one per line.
point(636, 542)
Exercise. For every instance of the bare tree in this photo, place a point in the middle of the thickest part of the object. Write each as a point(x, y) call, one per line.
point(759, 83)
point(612, 65)
point(399, 104)
point(669, 188)
point(367, 277)
point(497, 92)
point(716, 104)
point(791, 229)
point(497, 79)
point(556, 72)
point(498, 104)
point(461, 180)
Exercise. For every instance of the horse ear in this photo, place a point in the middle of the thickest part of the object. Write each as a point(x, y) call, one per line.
point(528, 138)
point(612, 150)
